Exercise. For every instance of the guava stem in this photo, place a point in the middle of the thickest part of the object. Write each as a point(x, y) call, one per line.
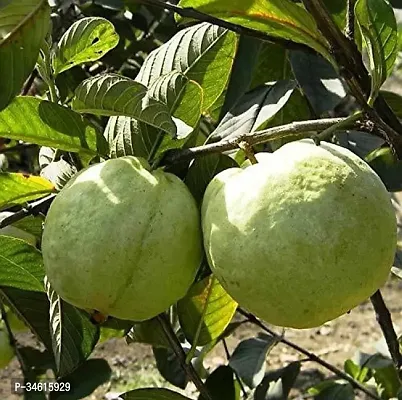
point(248, 149)
point(384, 319)
point(311, 356)
point(181, 355)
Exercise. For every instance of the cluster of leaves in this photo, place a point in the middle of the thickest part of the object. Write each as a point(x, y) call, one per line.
point(124, 80)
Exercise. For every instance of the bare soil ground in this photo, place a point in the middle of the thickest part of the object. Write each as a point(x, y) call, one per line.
point(133, 365)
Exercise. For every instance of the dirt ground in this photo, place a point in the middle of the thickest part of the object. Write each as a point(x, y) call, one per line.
point(133, 365)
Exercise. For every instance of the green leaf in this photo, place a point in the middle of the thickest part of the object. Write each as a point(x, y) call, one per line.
point(222, 384)
point(254, 110)
point(205, 312)
point(204, 53)
point(20, 265)
point(48, 124)
point(278, 18)
point(333, 390)
point(111, 94)
point(378, 26)
point(74, 336)
point(148, 332)
point(153, 394)
point(31, 224)
point(19, 188)
point(277, 385)
point(203, 169)
point(96, 372)
point(23, 27)
point(248, 359)
point(88, 39)
point(394, 100)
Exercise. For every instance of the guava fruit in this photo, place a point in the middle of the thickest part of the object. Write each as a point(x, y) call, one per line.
point(122, 240)
point(302, 237)
point(6, 350)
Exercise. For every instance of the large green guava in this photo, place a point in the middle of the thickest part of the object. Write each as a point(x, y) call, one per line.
point(302, 237)
point(122, 240)
point(6, 350)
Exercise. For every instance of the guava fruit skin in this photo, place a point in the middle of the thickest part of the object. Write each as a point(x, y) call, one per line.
point(122, 240)
point(302, 237)
point(6, 350)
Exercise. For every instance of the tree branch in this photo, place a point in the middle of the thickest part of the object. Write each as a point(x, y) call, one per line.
point(188, 12)
point(308, 354)
point(350, 20)
point(181, 355)
point(33, 208)
point(383, 317)
point(278, 132)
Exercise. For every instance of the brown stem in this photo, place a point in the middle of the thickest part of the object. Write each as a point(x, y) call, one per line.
point(181, 355)
point(308, 354)
point(384, 319)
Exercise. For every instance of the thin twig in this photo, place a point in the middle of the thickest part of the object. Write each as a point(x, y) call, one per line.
point(313, 357)
point(243, 389)
point(350, 20)
point(295, 129)
point(29, 83)
point(383, 317)
point(188, 12)
point(181, 355)
point(33, 208)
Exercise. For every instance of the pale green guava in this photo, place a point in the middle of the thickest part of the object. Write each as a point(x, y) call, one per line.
point(6, 350)
point(302, 237)
point(122, 240)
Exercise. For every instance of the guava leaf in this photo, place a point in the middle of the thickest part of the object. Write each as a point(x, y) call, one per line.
point(203, 169)
point(248, 359)
point(148, 332)
point(74, 336)
point(205, 312)
point(23, 26)
point(278, 18)
point(204, 53)
point(333, 390)
point(31, 224)
point(318, 80)
point(378, 26)
point(394, 100)
point(254, 110)
point(96, 371)
point(17, 188)
point(87, 39)
point(222, 384)
point(48, 124)
point(276, 385)
point(169, 367)
point(112, 94)
point(21, 265)
point(153, 394)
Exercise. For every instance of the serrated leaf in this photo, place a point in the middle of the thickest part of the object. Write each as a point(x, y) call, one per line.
point(203, 170)
point(204, 53)
point(111, 94)
point(152, 394)
point(96, 371)
point(74, 336)
point(48, 124)
point(88, 39)
point(222, 384)
point(20, 265)
point(333, 390)
point(170, 367)
point(205, 312)
point(17, 188)
point(278, 18)
point(277, 385)
point(148, 332)
point(318, 80)
point(378, 26)
point(248, 359)
point(23, 26)
point(254, 110)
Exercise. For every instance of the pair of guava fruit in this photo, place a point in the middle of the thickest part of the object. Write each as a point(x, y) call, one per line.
point(298, 239)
